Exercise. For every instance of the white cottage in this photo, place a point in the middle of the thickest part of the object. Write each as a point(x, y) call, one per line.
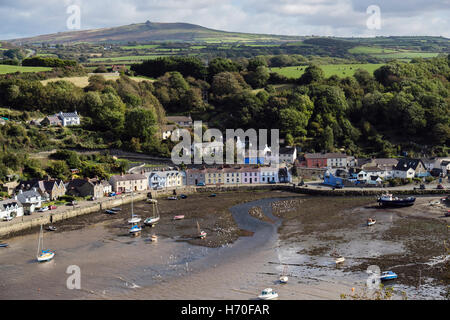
point(10, 208)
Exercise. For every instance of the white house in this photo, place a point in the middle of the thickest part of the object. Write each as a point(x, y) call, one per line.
point(339, 160)
point(410, 168)
point(69, 119)
point(269, 174)
point(10, 208)
point(287, 155)
point(30, 200)
point(165, 179)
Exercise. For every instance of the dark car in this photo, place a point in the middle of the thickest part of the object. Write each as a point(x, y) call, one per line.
point(200, 184)
point(339, 186)
point(440, 186)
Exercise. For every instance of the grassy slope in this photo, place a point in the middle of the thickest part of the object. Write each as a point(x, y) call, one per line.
point(84, 81)
point(4, 69)
point(341, 70)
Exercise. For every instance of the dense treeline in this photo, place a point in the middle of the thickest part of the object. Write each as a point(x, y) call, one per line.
point(48, 62)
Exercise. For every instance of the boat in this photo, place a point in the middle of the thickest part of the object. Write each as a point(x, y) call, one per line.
point(371, 222)
point(152, 201)
point(134, 218)
point(135, 229)
point(172, 198)
point(388, 200)
point(110, 211)
point(339, 260)
point(388, 275)
point(4, 245)
point(180, 217)
point(154, 238)
point(212, 195)
point(268, 294)
point(42, 254)
point(51, 228)
point(284, 278)
point(201, 233)
point(116, 209)
point(183, 196)
point(447, 214)
point(151, 221)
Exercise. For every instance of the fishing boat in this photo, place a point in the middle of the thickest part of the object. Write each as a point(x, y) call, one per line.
point(339, 260)
point(151, 221)
point(116, 209)
point(134, 218)
point(135, 229)
point(371, 222)
point(110, 211)
point(201, 233)
point(42, 254)
point(51, 228)
point(4, 245)
point(284, 278)
point(172, 198)
point(268, 294)
point(388, 275)
point(179, 217)
point(387, 200)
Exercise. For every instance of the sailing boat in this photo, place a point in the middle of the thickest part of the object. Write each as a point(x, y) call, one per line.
point(151, 221)
point(201, 233)
point(284, 278)
point(42, 254)
point(134, 218)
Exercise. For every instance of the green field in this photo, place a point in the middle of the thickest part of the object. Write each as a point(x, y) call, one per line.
point(4, 69)
point(370, 50)
point(126, 58)
point(144, 46)
point(406, 55)
point(341, 70)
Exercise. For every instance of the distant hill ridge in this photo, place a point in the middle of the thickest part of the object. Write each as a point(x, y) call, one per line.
point(148, 31)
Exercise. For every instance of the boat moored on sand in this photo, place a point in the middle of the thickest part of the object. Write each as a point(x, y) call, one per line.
point(388, 275)
point(388, 200)
point(268, 294)
point(371, 222)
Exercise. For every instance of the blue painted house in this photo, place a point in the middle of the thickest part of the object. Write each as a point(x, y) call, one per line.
point(331, 179)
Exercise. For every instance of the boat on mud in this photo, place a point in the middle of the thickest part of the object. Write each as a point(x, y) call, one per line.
point(136, 229)
point(388, 275)
point(268, 294)
point(154, 219)
point(447, 214)
point(200, 233)
point(43, 255)
point(284, 278)
point(4, 245)
point(179, 217)
point(110, 211)
point(339, 260)
point(371, 222)
point(388, 200)
point(152, 201)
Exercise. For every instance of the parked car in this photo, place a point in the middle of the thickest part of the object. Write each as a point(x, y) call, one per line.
point(422, 187)
point(339, 186)
point(52, 207)
point(440, 186)
point(272, 182)
point(43, 209)
point(200, 184)
point(112, 194)
point(7, 218)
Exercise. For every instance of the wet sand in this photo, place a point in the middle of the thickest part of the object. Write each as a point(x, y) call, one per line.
point(241, 255)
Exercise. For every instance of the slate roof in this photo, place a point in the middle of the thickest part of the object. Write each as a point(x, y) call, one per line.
point(405, 164)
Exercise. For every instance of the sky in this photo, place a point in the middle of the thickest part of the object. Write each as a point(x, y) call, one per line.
point(342, 18)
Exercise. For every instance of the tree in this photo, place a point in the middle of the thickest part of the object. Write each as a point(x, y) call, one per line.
point(58, 169)
point(140, 123)
point(312, 74)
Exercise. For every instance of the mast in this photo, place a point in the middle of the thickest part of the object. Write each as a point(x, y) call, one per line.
point(198, 228)
point(132, 204)
point(39, 242)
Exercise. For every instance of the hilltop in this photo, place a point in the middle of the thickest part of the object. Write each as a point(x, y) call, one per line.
point(150, 31)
